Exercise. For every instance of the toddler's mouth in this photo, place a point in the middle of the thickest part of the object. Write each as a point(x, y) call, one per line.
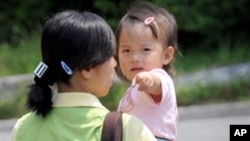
point(136, 69)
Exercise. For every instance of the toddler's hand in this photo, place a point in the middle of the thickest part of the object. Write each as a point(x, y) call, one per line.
point(145, 80)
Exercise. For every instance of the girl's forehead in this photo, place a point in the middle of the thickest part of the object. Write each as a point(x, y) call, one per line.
point(136, 35)
point(136, 30)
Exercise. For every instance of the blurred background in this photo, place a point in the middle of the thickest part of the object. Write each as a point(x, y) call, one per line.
point(212, 66)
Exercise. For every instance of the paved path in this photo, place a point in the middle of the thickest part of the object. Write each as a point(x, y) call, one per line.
point(197, 123)
point(209, 129)
point(5, 129)
point(211, 122)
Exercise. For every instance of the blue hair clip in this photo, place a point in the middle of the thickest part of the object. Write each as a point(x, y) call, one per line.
point(66, 68)
point(40, 69)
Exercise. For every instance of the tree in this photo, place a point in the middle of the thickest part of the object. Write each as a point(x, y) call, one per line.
point(201, 23)
point(205, 23)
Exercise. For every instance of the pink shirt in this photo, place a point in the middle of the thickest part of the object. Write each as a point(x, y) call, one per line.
point(161, 117)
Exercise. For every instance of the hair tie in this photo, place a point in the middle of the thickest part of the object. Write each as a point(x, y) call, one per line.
point(66, 68)
point(149, 20)
point(40, 69)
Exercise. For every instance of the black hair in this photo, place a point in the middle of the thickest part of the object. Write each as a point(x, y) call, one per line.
point(82, 40)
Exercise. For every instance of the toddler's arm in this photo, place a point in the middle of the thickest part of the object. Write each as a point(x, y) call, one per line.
point(148, 83)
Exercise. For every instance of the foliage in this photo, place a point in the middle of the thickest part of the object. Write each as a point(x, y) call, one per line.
point(227, 53)
point(21, 59)
point(202, 24)
point(111, 101)
point(14, 108)
point(20, 18)
point(238, 91)
point(25, 57)
point(205, 23)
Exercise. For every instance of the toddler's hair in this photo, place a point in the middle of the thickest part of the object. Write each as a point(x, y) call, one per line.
point(164, 29)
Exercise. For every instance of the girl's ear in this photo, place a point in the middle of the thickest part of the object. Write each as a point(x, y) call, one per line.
point(168, 55)
point(86, 73)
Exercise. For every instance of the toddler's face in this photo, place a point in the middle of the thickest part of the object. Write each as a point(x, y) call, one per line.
point(140, 51)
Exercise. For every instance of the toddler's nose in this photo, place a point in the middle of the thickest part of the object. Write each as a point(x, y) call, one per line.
point(135, 58)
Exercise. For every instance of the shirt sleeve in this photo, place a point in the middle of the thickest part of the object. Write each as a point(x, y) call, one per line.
point(135, 130)
point(167, 84)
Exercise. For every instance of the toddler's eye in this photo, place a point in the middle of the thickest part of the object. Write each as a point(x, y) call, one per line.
point(125, 50)
point(146, 49)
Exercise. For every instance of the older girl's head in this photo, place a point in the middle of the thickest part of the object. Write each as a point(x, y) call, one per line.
point(71, 42)
point(80, 40)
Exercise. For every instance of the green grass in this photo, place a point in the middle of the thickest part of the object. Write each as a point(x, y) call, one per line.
point(14, 107)
point(226, 54)
point(237, 91)
point(21, 59)
point(111, 101)
point(25, 57)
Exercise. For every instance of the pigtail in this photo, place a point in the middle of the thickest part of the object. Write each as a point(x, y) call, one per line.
point(40, 95)
point(40, 99)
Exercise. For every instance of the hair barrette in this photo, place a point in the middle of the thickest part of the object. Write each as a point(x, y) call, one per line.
point(40, 69)
point(66, 68)
point(148, 20)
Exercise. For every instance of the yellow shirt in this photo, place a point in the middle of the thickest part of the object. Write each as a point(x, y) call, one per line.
point(75, 117)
